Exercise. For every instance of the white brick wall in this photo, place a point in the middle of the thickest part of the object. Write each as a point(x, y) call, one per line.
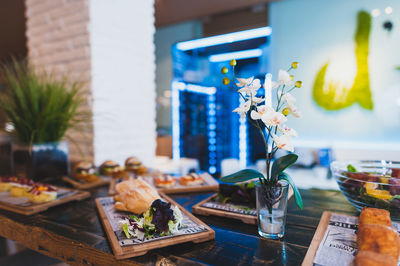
point(123, 79)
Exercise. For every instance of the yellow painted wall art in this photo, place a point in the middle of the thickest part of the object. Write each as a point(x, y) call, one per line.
point(329, 94)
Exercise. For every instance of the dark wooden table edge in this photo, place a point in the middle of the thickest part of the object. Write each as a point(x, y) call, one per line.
point(56, 246)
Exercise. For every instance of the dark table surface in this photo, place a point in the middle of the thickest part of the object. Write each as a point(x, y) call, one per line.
point(73, 233)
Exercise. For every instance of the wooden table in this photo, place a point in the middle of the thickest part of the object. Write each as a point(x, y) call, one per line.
point(73, 233)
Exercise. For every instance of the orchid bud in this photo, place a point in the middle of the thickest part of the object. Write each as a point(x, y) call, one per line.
point(295, 65)
point(286, 111)
point(232, 62)
point(224, 70)
point(225, 81)
point(291, 77)
point(298, 84)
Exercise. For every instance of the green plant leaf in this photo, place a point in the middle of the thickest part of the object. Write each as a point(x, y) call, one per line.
point(281, 164)
point(241, 176)
point(297, 196)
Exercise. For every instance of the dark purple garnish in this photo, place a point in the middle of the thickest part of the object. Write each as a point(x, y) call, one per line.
point(162, 214)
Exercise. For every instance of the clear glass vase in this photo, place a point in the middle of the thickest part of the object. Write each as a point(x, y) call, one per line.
point(271, 209)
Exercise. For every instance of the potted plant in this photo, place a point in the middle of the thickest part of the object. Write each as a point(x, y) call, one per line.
point(271, 188)
point(40, 109)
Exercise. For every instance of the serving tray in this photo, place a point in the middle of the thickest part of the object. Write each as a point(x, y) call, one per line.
point(104, 180)
point(21, 205)
point(196, 232)
point(208, 207)
point(210, 184)
point(335, 240)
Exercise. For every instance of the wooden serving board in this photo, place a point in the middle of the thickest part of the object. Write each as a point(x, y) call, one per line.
point(210, 184)
point(199, 208)
point(104, 180)
point(138, 249)
point(21, 205)
point(318, 236)
point(226, 210)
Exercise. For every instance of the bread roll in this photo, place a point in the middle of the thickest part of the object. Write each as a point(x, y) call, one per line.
point(370, 258)
point(136, 196)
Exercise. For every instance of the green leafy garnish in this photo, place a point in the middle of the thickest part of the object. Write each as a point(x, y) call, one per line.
point(351, 168)
point(125, 229)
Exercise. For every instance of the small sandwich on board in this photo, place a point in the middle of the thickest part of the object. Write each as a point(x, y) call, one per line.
point(112, 168)
point(378, 243)
point(134, 165)
point(41, 193)
point(86, 172)
point(6, 182)
point(191, 179)
point(164, 181)
point(21, 188)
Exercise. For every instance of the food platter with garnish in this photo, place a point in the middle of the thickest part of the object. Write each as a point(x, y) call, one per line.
point(138, 219)
point(26, 197)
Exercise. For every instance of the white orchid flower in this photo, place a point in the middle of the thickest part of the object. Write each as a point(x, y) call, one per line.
point(257, 100)
point(262, 109)
point(287, 131)
point(284, 78)
point(283, 142)
point(244, 82)
point(251, 88)
point(295, 111)
point(243, 109)
point(272, 118)
point(289, 99)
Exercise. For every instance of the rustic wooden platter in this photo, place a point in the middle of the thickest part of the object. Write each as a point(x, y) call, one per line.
point(246, 215)
point(104, 180)
point(21, 205)
point(138, 249)
point(318, 236)
point(210, 184)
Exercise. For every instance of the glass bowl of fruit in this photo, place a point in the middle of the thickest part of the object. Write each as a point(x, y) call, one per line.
point(370, 184)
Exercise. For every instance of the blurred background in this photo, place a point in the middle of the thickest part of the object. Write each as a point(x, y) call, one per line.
point(155, 88)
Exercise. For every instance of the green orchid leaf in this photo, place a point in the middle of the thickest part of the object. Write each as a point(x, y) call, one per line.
point(297, 196)
point(281, 164)
point(241, 176)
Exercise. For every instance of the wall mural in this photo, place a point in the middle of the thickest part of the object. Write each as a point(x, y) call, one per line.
point(329, 94)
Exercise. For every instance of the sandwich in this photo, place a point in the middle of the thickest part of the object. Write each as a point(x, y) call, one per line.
point(85, 171)
point(111, 168)
point(133, 164)
point(191, 179)
point(21, 187)
point(6, 183)
point(42, 193)
point(134, 195)
point(164, 181)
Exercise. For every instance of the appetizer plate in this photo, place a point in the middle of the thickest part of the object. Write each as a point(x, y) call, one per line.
point(210, 184)
point(335, 240)
point(195, 231)
point(21, 205)
point(104, 180)
point(210, 206)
